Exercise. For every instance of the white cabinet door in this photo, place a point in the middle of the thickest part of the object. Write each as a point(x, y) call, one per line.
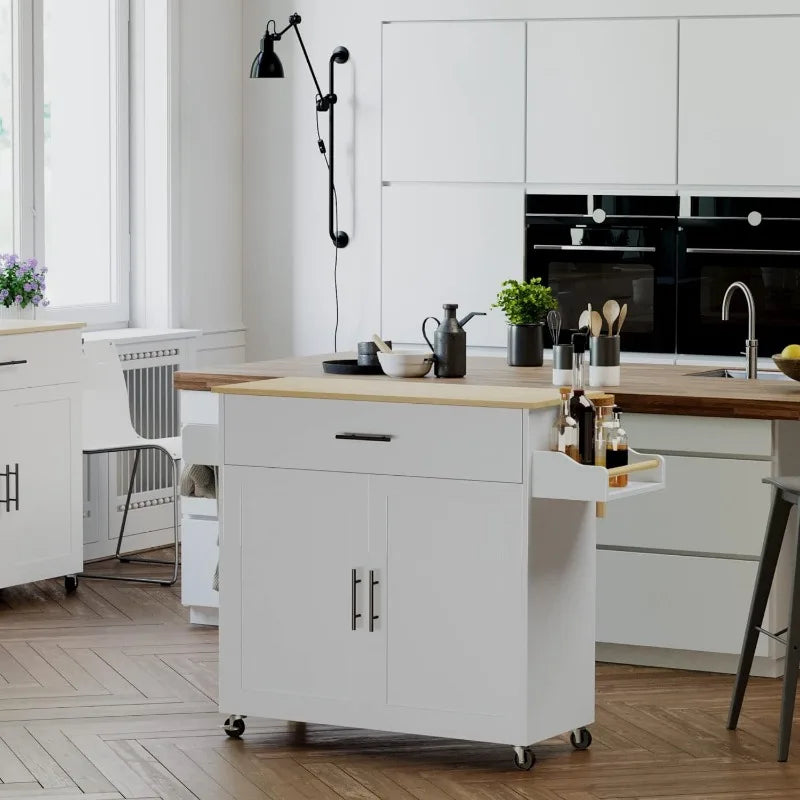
point(709, 505)
point(292, 538)
point(739, 117)
point(449, 244)
point(453, 601)
point(41, 534)
point(454, 101)
point(602, 101)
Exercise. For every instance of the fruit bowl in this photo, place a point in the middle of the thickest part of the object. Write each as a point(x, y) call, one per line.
point(788, 366)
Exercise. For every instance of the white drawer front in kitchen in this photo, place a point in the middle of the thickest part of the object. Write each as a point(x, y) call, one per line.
point(467, 443)
point(678, 602)
point(708, 505)
point(678, 434)
point(40, 359)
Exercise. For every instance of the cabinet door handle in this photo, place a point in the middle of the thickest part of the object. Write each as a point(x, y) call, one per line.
point(16, 487)
point(354, 581)
point(364, 437)
point(13, 363)
point(372, 615)
point(8, 498)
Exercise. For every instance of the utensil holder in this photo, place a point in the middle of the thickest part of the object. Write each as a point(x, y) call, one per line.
point(563, 357)
point(604, 367)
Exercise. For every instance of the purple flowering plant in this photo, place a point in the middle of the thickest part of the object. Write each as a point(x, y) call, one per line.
point(22, 283)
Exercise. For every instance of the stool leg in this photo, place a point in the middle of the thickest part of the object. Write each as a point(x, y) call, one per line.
point(792, 664)
point(773, 539)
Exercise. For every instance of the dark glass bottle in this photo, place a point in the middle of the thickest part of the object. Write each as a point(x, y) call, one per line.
point(581, 408)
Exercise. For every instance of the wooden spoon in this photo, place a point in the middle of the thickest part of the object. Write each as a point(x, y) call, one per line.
point(622, 315)
point(611, 313)
point(597, 323)
point(382, 346)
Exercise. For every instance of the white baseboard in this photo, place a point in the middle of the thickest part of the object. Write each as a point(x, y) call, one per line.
point(130, 543)
point(666, 658)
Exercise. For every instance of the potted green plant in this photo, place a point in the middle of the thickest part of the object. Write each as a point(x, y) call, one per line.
point(525, 304)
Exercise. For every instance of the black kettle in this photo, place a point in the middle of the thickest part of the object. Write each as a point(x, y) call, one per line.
point(449, 342)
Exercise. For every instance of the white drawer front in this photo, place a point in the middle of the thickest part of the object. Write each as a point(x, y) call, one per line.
point(199, 556)
point(467, 443)
point(708, 505)
point(678, 602)
point(50, 357)
point(651, 432)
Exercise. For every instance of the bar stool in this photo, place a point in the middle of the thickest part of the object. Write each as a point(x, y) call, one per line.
point(786, 493)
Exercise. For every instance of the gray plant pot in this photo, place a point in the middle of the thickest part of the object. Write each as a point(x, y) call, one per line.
point(526, 345)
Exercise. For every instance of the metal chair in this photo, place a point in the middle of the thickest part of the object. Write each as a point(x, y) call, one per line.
point(107, 428)
point(786, 493)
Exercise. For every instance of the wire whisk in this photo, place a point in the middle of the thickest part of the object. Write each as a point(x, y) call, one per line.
point(554, 326)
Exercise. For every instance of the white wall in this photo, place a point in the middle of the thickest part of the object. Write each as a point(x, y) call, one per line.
point(288, 306)
point(210, 190)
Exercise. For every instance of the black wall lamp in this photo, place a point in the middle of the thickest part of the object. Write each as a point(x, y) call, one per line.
point(267, 65)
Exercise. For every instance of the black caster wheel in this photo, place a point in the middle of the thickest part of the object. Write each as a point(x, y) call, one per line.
point(584, 742)
point(234, 727)
point(70, 583)
point(524, 758)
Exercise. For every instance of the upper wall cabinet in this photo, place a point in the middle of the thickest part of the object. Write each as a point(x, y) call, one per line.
point(454, 101)
point(602, 101)
point(739, 115)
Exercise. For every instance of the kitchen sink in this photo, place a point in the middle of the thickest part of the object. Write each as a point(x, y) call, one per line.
point(740, 374)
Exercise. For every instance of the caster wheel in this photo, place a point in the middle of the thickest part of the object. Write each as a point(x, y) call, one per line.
point(584, 742)
point(524, 758)
point(70, 583)
point(234, 727)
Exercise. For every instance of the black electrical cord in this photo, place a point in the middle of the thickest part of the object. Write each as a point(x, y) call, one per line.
point(323, 150)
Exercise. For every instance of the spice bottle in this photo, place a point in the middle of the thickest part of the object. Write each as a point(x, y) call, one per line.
point(616, 448)
point(603, 405)
point(581, 408)
point(564, 437)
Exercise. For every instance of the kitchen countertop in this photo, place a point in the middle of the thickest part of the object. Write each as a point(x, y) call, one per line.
point(645, 389)
point(441, 393)
point(10, 327)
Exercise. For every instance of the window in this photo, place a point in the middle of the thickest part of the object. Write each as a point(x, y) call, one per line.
point(71, 78)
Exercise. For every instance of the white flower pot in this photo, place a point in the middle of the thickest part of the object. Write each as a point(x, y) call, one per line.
point(16, 312)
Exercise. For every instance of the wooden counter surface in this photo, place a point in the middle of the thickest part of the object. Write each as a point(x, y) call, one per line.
point(645, 389)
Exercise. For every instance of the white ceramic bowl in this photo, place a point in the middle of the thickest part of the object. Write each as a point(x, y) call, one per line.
point(405, 364)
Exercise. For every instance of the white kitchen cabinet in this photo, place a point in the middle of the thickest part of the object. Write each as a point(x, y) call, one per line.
point(602, 101)
point(739, 119)
point(449, 244)
point(454, 101)
point(40, 524)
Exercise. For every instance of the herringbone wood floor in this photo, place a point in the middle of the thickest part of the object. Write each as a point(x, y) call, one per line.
point(109, 693)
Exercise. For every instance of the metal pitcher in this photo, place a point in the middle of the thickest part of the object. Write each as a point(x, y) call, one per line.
point(449, 342)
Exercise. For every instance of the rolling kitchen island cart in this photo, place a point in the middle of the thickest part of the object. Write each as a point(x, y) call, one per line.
point(409, 557)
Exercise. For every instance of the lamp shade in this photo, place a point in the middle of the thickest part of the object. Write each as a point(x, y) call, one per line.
point(266, 64)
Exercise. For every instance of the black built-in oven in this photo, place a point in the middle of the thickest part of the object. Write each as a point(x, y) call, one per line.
point(727, 239)
point(590, 249)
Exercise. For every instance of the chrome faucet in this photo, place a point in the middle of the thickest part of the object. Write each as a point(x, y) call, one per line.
point(751, 346)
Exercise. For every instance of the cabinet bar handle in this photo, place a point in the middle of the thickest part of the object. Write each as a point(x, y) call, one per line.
point(372, 615)
point(13, 363)
point(354, 581)
point(7, 501)
point(16, 487)
point(364, 437)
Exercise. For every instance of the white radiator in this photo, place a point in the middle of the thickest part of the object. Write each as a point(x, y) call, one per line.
point(149, 368)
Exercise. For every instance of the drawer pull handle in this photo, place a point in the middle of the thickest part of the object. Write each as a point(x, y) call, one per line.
point(13, 363)
point(363, 437)
point(9, 499)
point(354, 581)
point(372, 615)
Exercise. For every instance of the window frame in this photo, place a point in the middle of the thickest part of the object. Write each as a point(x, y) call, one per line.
point(28, 144)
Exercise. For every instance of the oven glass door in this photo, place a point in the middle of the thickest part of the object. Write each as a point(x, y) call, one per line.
point(774, 279)
point(633, 265)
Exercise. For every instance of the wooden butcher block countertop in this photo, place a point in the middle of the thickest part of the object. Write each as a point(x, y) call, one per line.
point(645, 389)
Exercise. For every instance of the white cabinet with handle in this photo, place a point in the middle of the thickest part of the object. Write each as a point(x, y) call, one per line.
point(41, 494)
point(602, 101)
point(415, 577)
point(739, 121)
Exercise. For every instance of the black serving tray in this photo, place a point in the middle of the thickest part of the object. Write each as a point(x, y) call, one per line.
point(349, 366)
